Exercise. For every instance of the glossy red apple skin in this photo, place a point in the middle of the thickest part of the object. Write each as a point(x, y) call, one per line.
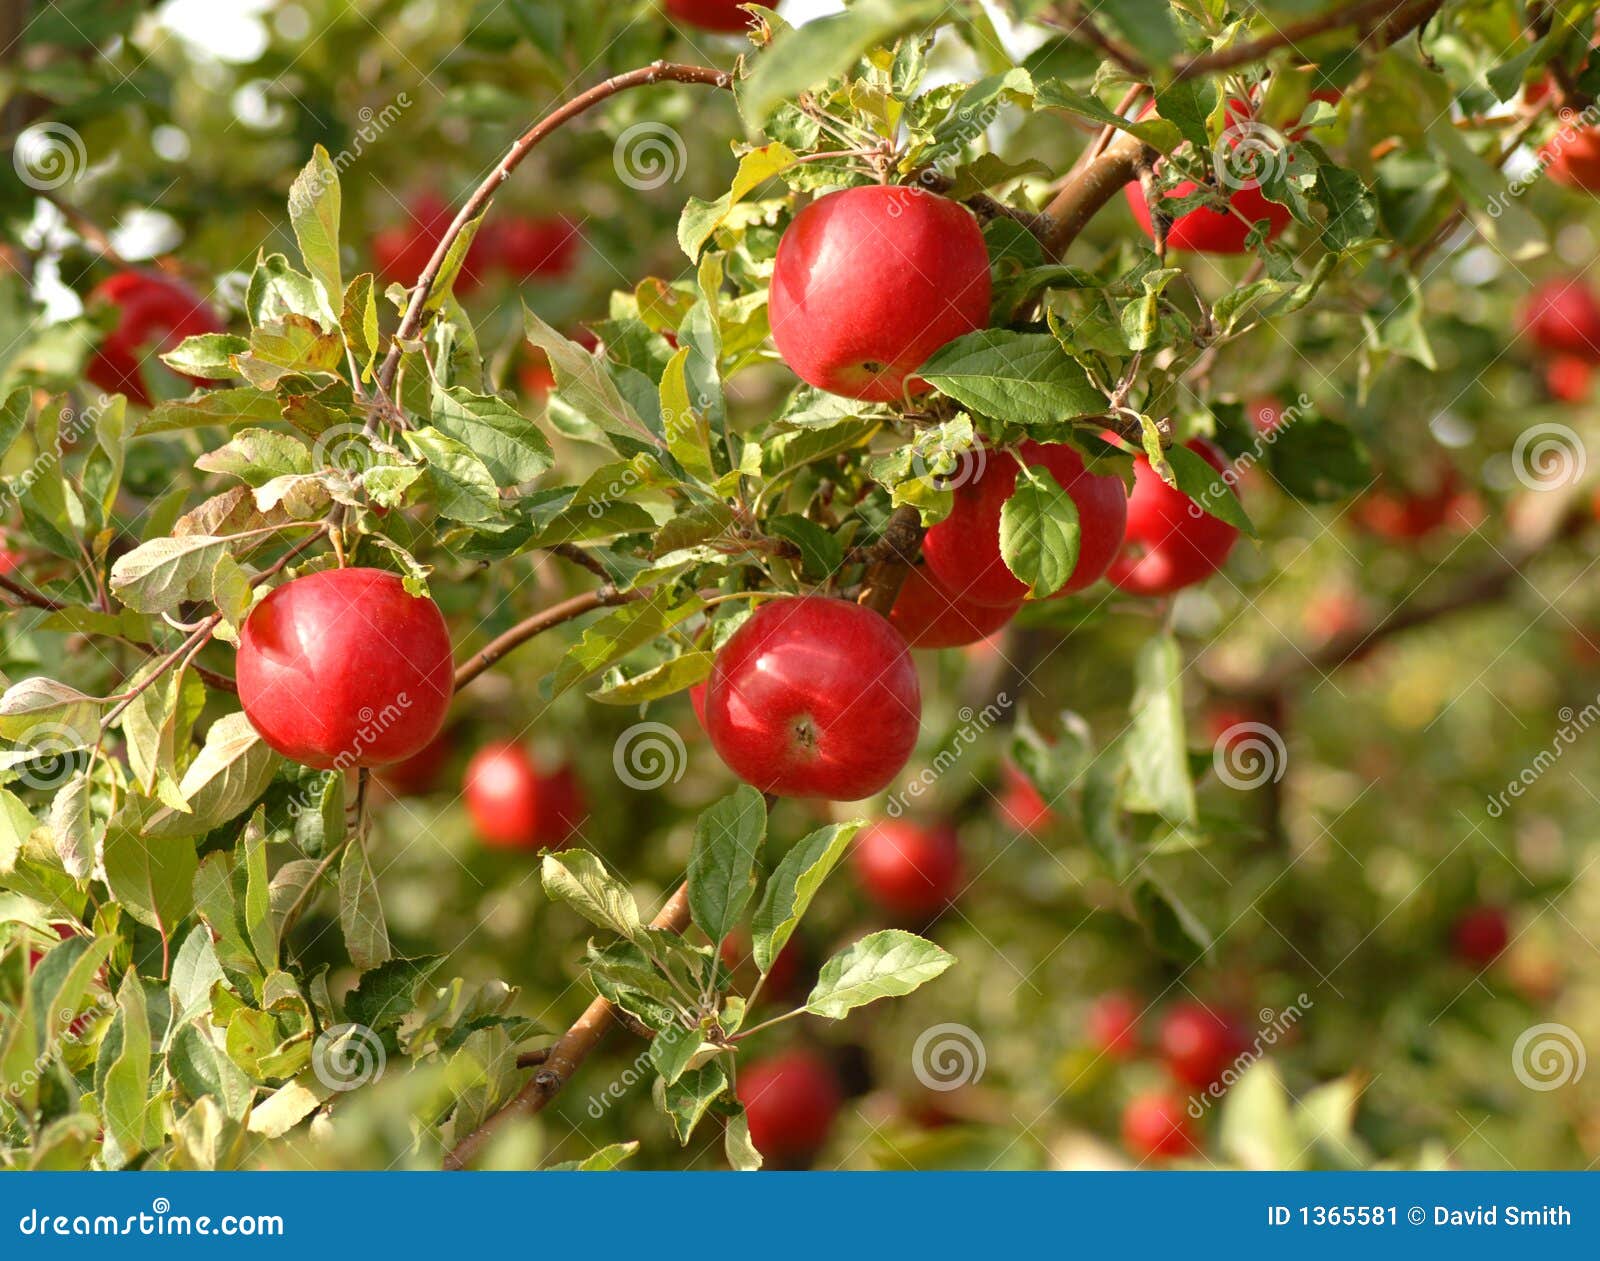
point(909, 869)
point(1156, 1126)
point(791, 1100)
point(155, 313)
point(1113, 1025)
point(963, 550)
point(929, 615)
point(1198, 1043)
point(515, 805)
point(869, 282)
point(1168, 547)
point(1562, 317)
point(345, 668)
point(814, 697)
point(723, 16)
point(1480, 936)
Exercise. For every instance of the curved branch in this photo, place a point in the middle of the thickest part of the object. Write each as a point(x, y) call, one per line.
point(1086, 193)
point(577, 606)
point(1392, 18)
point(563, 1059)
point(656, 72)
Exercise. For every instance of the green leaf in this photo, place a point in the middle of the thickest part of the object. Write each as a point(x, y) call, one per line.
point(1174, 929)
point(132, 1124)
point(610, 638)
point(584, 384)
point(1157, 757)
point(688, 433)
point(1024, 378)
point(793, 884)
point(51, 716)
point(463, 487)
point(158, 576)
point(256, 456)
point(360, 912)
point(803, 57)
point(1257, 1129)
point(821, 552)
point(581, 880)
point(1208, 489)
point(686, 1100)
point(314, 199)
point(727, 837)
point(607, 1159)
point(510, 446)
point(702, 218)
point(226, 778)
point(736, 1145)
point(388, 993)
point(202, 1070)
point(72, 825)
point(152, 879)
point(673, 1049)
point(1039, 532)
point(884, 964)
point(666, 679)
point(245, 405)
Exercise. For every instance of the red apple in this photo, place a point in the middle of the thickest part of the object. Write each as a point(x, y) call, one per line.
point(908, 869)
point(1207, 231)
point(963, 550)
point(534, 249)
point(514, 805)
point(1198, 1043)
point(1021, 804)
point(1562, 317)
point(1568, 378)
point(345, 668)
point(724, 16)
point(1113, 1025)
point(1155, 1126)
point(814, 697)
point(155, 313)
point(930, 615)
point(1480, 935)
point(791, 1100)
point(1171, 543)
point(869, 282)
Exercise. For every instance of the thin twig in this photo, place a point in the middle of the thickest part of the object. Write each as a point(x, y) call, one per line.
point(566, 1055)
point(555, 615)
point(656, 72)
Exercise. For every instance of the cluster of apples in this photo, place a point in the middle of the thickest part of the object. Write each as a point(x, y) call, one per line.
point(1195, 1043)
